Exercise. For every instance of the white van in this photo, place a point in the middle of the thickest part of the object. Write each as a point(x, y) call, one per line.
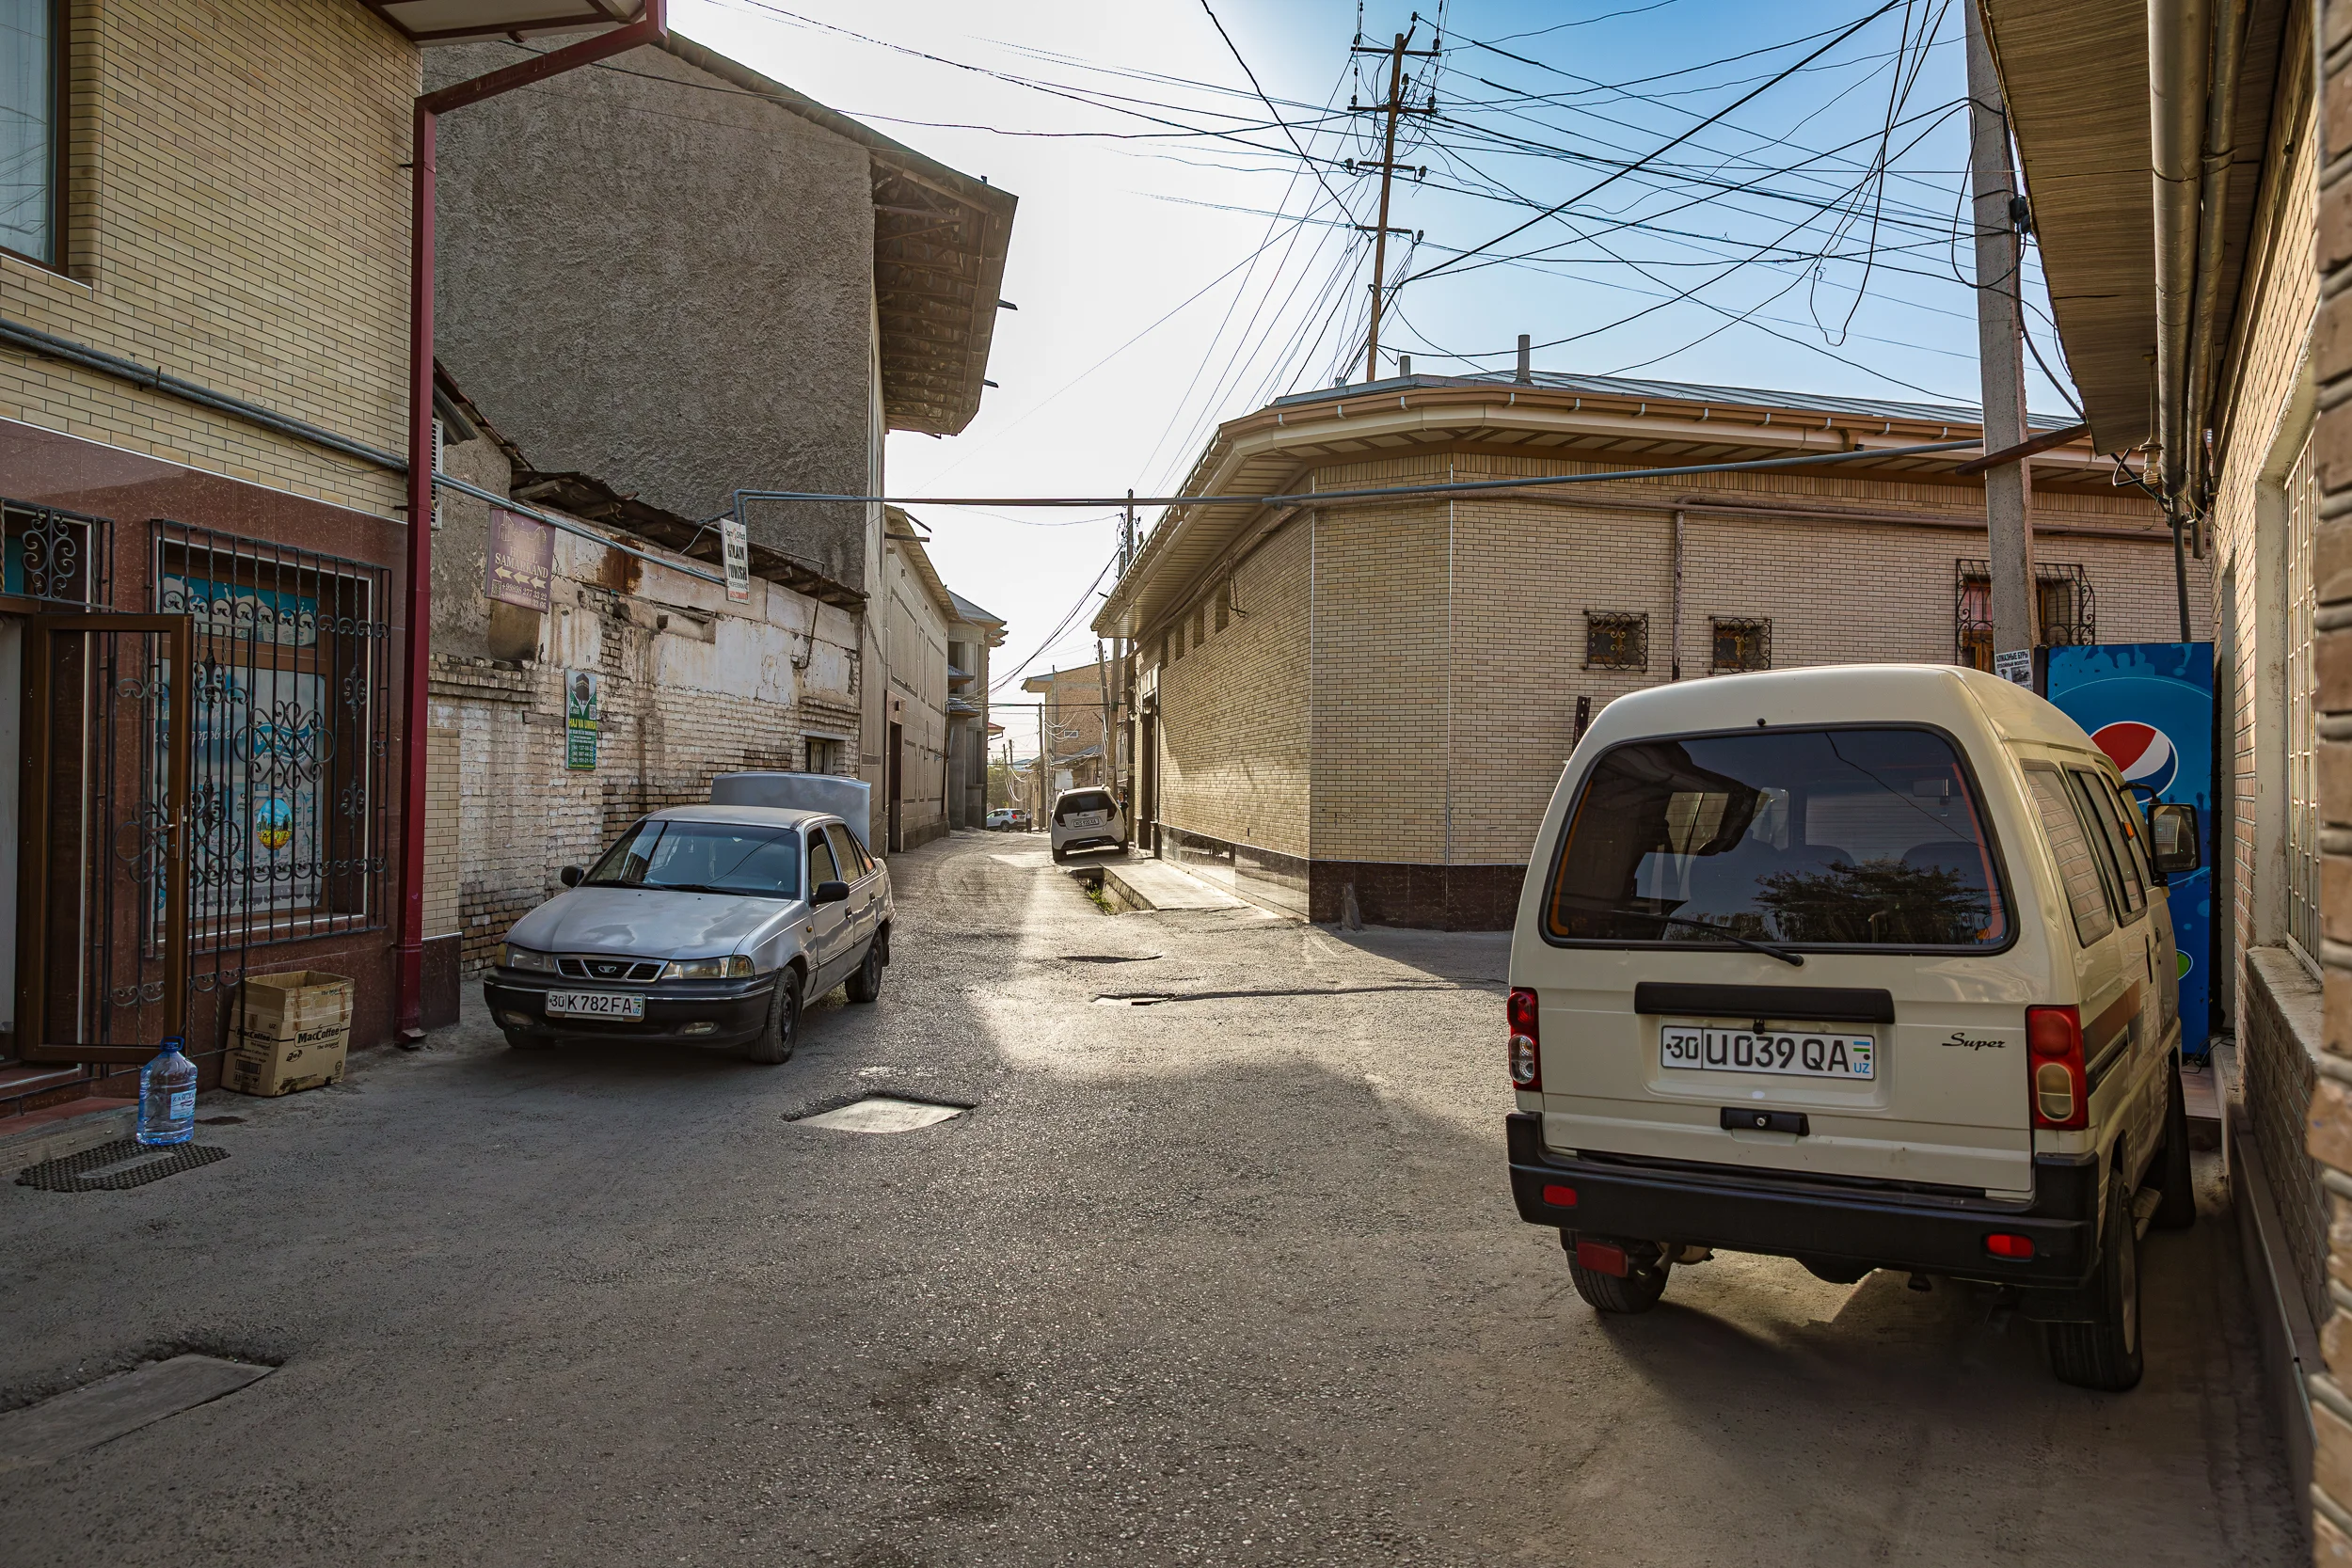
point(1868, 966)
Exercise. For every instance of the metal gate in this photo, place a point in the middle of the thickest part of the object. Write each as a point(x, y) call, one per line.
point(103, 927)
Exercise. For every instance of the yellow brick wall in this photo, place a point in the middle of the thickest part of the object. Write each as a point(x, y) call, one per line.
point(1233, 733)
point(240, 218)
point(1447, 646)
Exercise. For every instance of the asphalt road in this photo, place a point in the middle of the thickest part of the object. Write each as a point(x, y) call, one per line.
point(1233, 1279)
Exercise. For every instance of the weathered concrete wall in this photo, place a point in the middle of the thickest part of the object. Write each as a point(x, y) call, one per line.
point(668, 287)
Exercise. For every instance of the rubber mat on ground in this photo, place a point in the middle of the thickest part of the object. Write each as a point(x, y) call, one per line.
point(113, 1167)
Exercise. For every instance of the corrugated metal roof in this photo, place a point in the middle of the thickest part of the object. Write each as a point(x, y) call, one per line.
point(967, 610)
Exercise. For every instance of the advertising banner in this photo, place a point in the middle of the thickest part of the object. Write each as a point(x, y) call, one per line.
point(2150, 706)
point(735, 542)
point(580, 719)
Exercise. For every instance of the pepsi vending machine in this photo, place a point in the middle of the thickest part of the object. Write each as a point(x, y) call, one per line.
point(2150, 706)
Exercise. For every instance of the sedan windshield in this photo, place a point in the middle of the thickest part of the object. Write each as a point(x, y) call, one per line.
point(1853, 837)
point(704, 857)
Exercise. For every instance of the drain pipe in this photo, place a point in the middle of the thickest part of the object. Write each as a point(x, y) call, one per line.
point(2229, 49)
point(2180, 40)
point(650, 28)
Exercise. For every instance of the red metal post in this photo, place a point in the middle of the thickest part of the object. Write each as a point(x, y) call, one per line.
point(650, 27)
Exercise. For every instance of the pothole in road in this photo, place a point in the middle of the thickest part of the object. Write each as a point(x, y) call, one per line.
point(884, 1112)
point(1132, 999)
point(1109, 958)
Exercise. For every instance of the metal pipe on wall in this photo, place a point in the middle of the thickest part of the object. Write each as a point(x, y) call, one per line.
point(2180, 44)
point(650, 28)
point(2229, 50)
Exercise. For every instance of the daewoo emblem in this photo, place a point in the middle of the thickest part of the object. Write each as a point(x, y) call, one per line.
point(606, 971)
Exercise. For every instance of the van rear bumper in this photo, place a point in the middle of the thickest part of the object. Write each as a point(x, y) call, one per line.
point(1740, 1211)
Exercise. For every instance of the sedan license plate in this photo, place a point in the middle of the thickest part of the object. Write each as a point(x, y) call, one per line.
point(1795, 1054)
point(593, 1003)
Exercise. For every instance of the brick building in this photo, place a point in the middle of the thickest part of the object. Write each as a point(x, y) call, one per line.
point(1078, 746)
point(686, 279)
point(687, 684)
point(203, 319)
point(2246, 381)
point(1378, 695)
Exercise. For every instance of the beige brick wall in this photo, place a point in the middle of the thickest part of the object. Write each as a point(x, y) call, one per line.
point(239, 217)
point(914, 655)
point(1234, 732)
point(1443, 641)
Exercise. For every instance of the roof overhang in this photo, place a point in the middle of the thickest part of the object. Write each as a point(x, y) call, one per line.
point(2076, 79)
point(459, 21)
point(940, 239)
point(1274, 450)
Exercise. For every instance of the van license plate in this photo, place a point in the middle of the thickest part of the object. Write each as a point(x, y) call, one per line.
point(1798, 1055)
point(590, 1004)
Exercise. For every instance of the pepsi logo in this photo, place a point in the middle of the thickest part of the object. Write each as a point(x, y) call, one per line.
point(2143, 752)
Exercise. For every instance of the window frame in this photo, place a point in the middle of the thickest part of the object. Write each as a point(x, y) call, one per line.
point(2105, 907)
point(1632, 626)
point(2299, 831)
point(1759, 626)
point(60, 128)
point(1996, 855)
point(817, 840)
point(2088, 794)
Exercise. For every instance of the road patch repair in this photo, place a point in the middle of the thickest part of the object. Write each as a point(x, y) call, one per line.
point(1140, 885)
point(82, 1418)
point(113, 1167)
point(882, 1113)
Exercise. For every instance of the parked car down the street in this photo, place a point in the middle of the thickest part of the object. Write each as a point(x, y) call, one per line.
point(1866, 966)
point(1003, 818)
point(710, 925)
point(1087, 819)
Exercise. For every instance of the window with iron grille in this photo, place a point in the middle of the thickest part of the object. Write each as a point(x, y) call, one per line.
point(2064, 605)
point(1741, 644)
point(53, 557)
point(290, 748)
point(1615, 640)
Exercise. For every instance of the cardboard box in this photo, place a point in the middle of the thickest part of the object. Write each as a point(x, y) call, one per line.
point(293, 1032)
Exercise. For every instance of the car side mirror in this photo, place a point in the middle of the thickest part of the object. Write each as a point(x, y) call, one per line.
point(830, 893)
point(571, 876)
point(2172, 837)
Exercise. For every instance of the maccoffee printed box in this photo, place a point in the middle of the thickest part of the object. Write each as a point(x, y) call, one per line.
point(293, 1032)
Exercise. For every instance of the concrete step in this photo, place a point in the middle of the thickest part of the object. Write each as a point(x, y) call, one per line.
point(55, 1131)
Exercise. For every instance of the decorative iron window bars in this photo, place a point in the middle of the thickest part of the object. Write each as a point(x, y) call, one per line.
point(1740, 643)
point(1615, 640)
point(291, 751)
point(55, 557)
point(2064, 604)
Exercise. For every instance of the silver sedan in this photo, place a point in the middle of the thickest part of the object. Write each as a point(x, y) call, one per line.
point(704, 924)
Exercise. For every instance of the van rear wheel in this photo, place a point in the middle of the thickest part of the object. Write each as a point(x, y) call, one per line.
point(1637, 1290)
point(2106, 1354)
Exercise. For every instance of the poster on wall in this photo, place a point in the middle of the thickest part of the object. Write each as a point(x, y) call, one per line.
point(735, 546)
point(580, 719)
point(520, 561)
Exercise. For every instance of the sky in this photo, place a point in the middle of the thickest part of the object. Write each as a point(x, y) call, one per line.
point(1185, 246)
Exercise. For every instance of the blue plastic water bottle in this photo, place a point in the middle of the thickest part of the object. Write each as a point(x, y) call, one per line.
point(167, 1097)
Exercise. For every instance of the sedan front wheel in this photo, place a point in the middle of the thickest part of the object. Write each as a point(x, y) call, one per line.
point(781, 1030)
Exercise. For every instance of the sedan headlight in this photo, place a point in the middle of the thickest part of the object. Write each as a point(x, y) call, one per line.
point(523, 957)
point(737, 967)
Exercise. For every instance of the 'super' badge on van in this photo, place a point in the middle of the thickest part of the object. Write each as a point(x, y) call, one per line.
point(1693, 1047)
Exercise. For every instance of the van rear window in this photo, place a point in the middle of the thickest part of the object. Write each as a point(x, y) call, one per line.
point(1837, 838)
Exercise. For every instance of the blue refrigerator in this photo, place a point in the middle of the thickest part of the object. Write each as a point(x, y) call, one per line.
point(2150, 706)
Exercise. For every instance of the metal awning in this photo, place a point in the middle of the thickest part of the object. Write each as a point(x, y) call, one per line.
point(456, 20)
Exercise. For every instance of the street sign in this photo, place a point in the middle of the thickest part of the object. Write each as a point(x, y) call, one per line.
point(521, 558)
point(735, 542)
point(580, 720)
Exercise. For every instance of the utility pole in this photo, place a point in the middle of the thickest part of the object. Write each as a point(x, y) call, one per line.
point(2001, 364)
point(1397, 55)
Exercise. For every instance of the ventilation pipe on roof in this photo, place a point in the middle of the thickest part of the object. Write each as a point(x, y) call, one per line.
point(2204, 344)
point(1527, 361)
point(2180, 43)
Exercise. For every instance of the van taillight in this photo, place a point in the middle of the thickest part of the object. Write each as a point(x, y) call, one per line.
point(1527, 1061)
point(2053, 1049)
